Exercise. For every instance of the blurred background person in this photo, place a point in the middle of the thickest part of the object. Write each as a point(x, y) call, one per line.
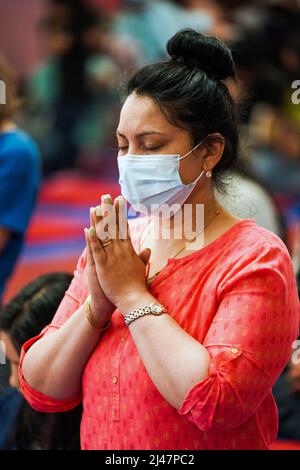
point(286, 390)
point(149, 24)
point(21, 319)
point(267, 52)
point(71, 94)
point(247, 198)
point(268, 57)
point(19, 180)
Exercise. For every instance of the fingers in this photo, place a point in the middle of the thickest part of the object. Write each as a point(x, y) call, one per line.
point(104, 218)
point(89, 254)
point(90, 231)
point(92, 217)
point(104, 208)
point(110, 219)
point(97, 251)
point(122, 230)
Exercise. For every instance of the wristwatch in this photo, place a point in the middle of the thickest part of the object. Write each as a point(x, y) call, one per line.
point(154, 309)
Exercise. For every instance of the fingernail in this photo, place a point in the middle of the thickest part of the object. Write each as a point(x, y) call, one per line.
point(106, 198)
point(98, 211)
point(121, 200)
point(91, 209)
point(92, 231)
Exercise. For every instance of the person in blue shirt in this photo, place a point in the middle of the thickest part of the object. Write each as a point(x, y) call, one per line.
point(19, 180)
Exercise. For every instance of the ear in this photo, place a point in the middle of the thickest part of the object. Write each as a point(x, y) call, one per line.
point(214, 144)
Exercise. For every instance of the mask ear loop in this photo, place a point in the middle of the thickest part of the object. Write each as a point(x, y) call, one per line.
point(196, 146)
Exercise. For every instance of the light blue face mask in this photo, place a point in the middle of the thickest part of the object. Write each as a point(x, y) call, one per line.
point(149, 182)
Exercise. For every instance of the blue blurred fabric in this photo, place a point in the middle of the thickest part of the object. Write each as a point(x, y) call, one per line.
point(19, 183)
point(11, 402)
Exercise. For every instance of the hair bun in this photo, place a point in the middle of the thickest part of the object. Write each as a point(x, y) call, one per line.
point(208, 53)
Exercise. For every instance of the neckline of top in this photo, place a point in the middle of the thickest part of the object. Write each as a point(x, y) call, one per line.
point(205, 248)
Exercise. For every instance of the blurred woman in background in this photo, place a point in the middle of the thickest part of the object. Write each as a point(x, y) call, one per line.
point(19, 179)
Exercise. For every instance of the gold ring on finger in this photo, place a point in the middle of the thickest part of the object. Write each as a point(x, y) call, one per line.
point(106, 242)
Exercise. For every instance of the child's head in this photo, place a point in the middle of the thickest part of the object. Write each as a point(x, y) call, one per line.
point(28, 313)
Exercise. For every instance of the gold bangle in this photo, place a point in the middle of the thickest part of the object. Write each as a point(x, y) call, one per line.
point(88, 311)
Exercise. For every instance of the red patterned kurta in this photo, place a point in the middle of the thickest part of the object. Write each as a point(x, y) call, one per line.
point(237, 296)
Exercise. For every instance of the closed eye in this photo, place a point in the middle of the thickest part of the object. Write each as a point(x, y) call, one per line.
point(147, 149)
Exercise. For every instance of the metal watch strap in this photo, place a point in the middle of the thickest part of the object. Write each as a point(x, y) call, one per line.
point(145, 310)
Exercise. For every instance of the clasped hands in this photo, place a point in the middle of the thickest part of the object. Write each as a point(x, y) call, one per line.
point(116, 273)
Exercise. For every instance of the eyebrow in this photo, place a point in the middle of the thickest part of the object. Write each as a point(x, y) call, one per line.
point(141, 134)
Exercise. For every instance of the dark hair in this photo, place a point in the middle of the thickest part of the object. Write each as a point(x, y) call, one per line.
point(33, 307)
point(189, 91)
point(22, 318)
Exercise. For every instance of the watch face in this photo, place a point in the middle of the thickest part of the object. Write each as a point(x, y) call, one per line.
point(157, 308)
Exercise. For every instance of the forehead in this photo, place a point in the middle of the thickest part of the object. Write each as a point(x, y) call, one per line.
point(141, 113)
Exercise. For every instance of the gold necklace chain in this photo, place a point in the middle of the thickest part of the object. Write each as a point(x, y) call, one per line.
point(217, 212)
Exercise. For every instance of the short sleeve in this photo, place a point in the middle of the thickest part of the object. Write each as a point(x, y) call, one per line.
point(37, 400)
point(74, 296)
point(72, 300)
point(249, 340)
point(19, 182)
